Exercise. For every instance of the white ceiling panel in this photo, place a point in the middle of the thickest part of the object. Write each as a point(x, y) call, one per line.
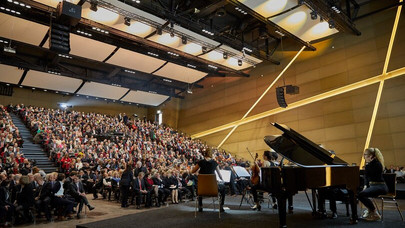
point(137, 61)
point(54, 3)
point(50, 81)
point(102, 15)
point(299, 23)
point(102, 90)
point(166, 40)
point(10, 74)
point(146, 98)
point(88, 48)
point(231, 62)
point(180, 73)
point(268, 8)
point(136, 28)
point(22, 30)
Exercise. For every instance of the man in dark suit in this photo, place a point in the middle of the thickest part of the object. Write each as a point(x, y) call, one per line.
point(139, 168)
point(43, 196)
point(75, 189)
point(59, 198)
point(6, 207)
point(140, 189)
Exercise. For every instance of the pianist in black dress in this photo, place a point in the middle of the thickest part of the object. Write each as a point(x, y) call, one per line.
point(209, 166)
point(374, 181)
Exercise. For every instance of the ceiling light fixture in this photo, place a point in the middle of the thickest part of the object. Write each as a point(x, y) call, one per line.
point(93, 6)
point(331, 24)
point(159, 30)
point(184, 39)
point(239, 62)
point(127, 21)
point(225, 55)
point(314, 15)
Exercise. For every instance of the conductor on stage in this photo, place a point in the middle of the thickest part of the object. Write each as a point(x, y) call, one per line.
point(209, 166)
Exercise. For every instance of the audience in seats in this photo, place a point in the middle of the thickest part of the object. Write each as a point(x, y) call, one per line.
point(128, 159)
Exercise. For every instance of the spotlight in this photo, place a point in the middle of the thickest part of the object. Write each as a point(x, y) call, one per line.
point(93, 6)
point(159, 30)
point(225, 55)
point(204, 49)
point(171, 33)
point(263, 34)
point(314, 15)
point(127, 21)
point(221, 12)
point(239, 62)
point(184, 39)
point(331, 24)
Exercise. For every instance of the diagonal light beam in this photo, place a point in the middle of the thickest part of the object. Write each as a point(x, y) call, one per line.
point(380, 88)
point(263, 94)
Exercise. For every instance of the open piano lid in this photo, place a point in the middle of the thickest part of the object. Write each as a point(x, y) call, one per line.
point(300, 150)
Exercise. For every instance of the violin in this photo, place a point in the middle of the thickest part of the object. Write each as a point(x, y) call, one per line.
point(255, 178)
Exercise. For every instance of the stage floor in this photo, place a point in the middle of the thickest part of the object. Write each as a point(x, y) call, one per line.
point(182, 215)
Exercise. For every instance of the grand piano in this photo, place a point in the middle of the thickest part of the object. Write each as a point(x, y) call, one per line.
point(314, 167)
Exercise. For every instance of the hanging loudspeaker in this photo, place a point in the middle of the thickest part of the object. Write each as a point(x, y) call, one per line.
point(280, 97)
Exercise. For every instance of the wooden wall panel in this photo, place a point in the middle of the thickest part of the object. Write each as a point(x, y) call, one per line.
point(339, 123)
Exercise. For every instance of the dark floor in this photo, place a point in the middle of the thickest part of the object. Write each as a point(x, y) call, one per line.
point(182, 215)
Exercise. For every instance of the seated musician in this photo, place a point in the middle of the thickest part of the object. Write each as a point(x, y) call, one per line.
point(209, 166)
point(268, 161)
point(374, 182)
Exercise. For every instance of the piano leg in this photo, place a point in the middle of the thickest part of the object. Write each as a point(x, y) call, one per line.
point(281, 201)
point(314, 199)
point(353, 203)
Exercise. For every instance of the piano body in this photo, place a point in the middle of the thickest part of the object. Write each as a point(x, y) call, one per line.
point(315, 168)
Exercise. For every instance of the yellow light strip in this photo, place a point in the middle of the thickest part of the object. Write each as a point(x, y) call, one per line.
point(338, 91)
point(380, 88)
point(373, 117)
point(263, 94)
point(394, 32)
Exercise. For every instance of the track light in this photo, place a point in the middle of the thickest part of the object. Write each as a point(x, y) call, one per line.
point(171, 33)
point(127, 21)
point(204, 49)
point(93, 6)
point(314, 15)
point(184, 39)
point(225, 55)
point(159, 30)
point(331, 24)
point(239, 62)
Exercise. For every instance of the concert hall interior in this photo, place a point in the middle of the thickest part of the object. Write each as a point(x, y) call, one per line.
point(111, 109)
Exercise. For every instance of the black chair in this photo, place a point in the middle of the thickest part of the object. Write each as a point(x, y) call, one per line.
point(391, 182)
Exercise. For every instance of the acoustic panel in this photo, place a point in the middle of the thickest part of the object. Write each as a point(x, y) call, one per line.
point(96, 89)
point(10, 74)
point(51, 81)
point(299, 23)
point(268, 8)
point(21, 30)
point(136, 61)
point(146, 98)
point(180, 73)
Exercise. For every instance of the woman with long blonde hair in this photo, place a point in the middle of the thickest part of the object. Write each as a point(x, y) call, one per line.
point(374, 182)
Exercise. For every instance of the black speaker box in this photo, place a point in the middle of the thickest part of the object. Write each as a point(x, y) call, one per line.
point(69, 13)
point(280, 97)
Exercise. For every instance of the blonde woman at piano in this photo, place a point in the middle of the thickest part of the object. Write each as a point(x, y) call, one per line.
point(374, 182)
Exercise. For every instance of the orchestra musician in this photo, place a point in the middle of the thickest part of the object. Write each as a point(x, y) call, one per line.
point(208, 166)
point(268, 161)
point(374, 182)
